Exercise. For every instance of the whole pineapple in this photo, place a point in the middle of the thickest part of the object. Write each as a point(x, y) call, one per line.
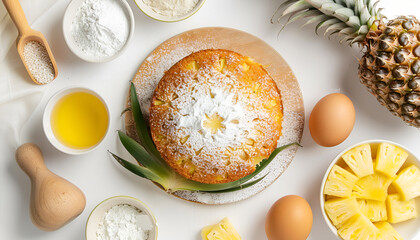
point(390, 66)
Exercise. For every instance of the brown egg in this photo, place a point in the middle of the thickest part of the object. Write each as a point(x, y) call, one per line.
point(290, 218)
point(332, 120)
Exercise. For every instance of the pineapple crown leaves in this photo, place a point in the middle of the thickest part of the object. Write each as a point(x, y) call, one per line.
point(351, 19)
point(151, 166)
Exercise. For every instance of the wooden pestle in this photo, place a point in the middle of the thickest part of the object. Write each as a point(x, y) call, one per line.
point(54, 200)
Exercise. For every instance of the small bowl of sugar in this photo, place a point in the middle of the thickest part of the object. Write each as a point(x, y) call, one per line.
point(121, 217)
point(169, 10)
point(98, 30)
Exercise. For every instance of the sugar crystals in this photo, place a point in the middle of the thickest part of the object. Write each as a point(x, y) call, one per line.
point(38, 62)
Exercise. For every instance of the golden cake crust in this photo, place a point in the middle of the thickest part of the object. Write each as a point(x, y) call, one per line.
point(214, 115)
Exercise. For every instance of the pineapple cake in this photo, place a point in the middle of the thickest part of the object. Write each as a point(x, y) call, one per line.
point(390, 64)
point(365, 192)
point(215, 115)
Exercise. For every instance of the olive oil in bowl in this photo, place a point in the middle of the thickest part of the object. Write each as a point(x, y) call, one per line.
point(76, 120)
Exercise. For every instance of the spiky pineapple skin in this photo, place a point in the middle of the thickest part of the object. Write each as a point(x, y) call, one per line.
point(390, 66)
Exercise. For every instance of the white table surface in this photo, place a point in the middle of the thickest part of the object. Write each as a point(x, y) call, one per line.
point(320, 65)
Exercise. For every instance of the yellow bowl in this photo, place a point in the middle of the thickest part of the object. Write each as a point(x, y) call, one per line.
point(46, 120)
point(99, 211)
point(408, 229)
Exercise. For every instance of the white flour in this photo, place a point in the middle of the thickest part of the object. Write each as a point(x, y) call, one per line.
point(100, 27)
point(123, 222)
point(171, 8)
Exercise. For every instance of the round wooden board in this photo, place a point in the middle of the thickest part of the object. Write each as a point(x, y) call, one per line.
point(171, 51)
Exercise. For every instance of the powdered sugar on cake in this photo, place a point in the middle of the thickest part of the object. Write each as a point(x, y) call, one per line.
point(156, 65)
point(236, 120)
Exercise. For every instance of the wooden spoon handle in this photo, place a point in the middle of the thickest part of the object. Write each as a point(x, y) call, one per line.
point(17, 15)
point(30, 159)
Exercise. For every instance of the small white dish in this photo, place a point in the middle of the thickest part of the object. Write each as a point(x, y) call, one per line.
point(99, 211)
point(46, 120)
point(154, 15)
point(408, 229)
point(69, 14)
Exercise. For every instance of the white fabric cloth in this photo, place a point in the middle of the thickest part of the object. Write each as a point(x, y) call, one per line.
point(19, 96)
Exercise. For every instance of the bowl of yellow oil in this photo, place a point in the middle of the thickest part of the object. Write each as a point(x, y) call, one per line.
point(76, 120)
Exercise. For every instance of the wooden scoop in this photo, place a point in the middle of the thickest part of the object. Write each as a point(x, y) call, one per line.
point(27, 34)
point(54, 200)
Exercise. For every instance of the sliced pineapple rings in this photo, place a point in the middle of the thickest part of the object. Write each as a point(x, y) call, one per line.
point(359, 159)
point(340, 182)
point(399, 210)
point(224, 230)
point(387, 231)
point(408, 183)
point(389, 159)
point(341, 209)
point(361, 191)
point(358, 227)
point(374, 210)
point(372, 187)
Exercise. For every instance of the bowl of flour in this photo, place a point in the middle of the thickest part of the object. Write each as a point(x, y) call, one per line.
point(121, 217)
point(98, 30)
point(169, 10)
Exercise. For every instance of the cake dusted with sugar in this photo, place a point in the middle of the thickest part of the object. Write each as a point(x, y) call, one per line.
point(215, 115)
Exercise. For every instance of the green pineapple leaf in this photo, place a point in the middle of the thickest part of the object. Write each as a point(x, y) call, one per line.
point(142, 156)
point(139, 170)
point(141, 125)
point(350, 19)
point(242, 186)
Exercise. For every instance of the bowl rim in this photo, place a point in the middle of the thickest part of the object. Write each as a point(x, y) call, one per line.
point(338, 157)
point(46, 122)
point(123, 197)
point(165, 19)
point(76, 50)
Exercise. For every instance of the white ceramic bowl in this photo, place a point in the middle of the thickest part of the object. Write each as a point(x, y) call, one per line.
point(69, 14)
point(408, 229)
point(149, 12)
point(99, 211)
point(46, 120)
